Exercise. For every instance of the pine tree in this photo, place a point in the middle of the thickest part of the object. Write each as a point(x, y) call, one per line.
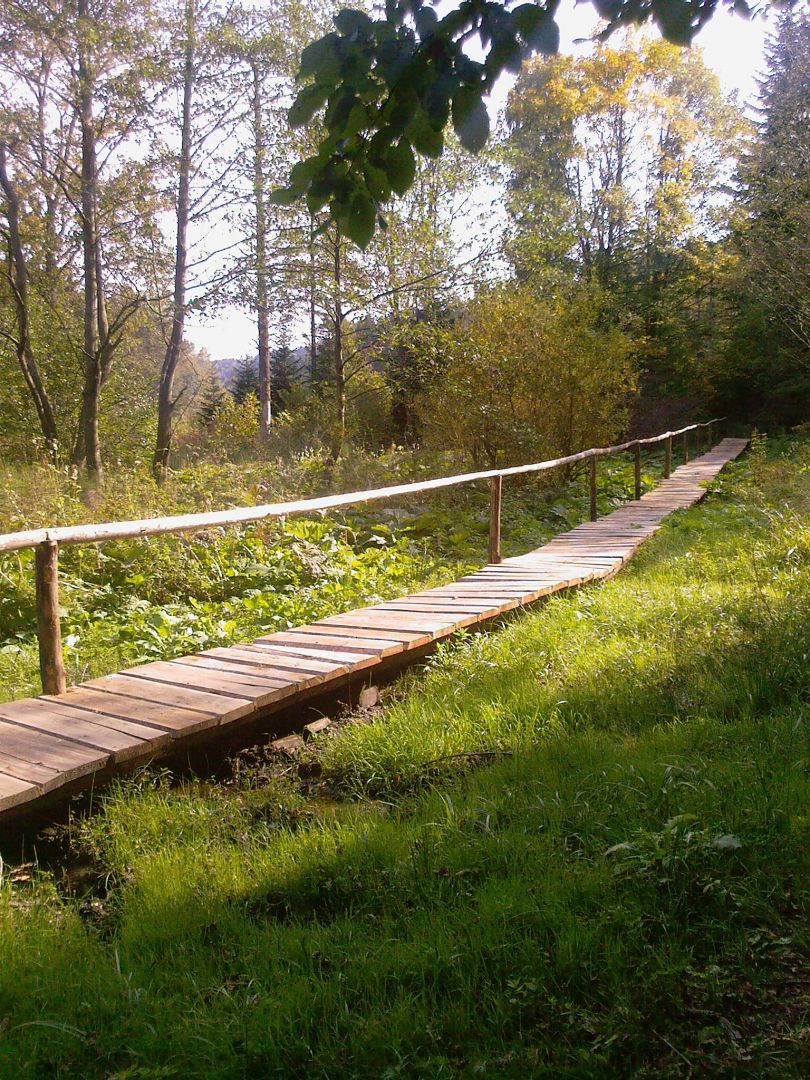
point(284, 374)
point(212, 398)
point(245, 380)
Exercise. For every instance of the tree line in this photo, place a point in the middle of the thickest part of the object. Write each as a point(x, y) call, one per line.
point(628, 232)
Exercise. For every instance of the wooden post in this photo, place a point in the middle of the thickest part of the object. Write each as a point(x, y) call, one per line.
point(709, 433)
point(637, 455)
point(685, 447)
point(592, 486)
point(668, 458)
point(698, 439)
point(51, 664)
point(495, 519)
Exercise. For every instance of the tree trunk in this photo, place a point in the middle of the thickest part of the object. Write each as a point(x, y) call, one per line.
point(313, 340)
point(166, 398)
point(87, 442)
point(262, 290)
point(18, 279)
point(340, 374)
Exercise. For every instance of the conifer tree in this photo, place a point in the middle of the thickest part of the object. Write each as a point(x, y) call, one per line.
point(245, 380)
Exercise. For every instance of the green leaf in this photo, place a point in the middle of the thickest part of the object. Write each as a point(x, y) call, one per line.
point(506, 53)
point(351, 22)
point(544, 35)
point(428, 141)
point(303, 172)
point(322, 59)
point(310, 99)
point(426, 21)
point(358, 223)
point(337, 114)
point(356, 120)
point(283, 196)
point(470, 118)
point(400, 166)
point(377, 182)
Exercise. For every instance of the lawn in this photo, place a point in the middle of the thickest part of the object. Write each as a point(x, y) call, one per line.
point(574, 847)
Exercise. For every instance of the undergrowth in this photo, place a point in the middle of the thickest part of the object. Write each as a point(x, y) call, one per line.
point(620, 890)
point(129, 601)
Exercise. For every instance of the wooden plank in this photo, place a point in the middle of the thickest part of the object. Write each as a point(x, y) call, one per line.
point(161, 716)
point(85, 728)
point(30, 772)
point(394, 640)
point(230, 708)
point(233, 675)
point(374, 619)
point(15, 792)
point(258, 692)
point(283, 679)
point(348, 655)
point(68, 759)
point(259, 656)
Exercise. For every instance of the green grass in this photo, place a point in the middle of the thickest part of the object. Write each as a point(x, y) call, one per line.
point(620, 889)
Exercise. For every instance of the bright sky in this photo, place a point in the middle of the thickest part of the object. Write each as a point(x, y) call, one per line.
point(732, 46)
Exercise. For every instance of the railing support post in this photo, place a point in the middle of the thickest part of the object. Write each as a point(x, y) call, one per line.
point(637, 470)
point(495, 519)
point(709, 434)
point(49, 633)
point(668, 458)
point(592, 487)
point(685, 447)
point(698, 439)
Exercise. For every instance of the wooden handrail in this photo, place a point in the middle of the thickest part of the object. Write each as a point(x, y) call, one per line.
point(120, 530)
point(47, 541)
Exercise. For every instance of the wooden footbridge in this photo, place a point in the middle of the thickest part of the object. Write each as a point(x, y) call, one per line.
point(65, 737)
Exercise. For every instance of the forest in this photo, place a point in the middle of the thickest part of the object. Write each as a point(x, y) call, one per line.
point(622, 242)
point(569, 838)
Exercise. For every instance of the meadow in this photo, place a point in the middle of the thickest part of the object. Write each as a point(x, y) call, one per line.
point(576, 846)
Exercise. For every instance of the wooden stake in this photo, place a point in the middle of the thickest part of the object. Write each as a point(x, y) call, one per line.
point(698, 440)
point(496, 486)
point(668, 459)
point(685, 447)
point(593, 488)
point(637, 453)
point(49, 633)
point(710, 430)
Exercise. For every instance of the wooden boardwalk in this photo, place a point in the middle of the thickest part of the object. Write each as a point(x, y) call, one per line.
point(47, 743)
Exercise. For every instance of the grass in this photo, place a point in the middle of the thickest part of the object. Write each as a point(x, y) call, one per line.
point(620, 888)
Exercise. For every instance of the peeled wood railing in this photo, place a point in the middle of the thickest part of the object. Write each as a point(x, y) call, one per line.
point(48, 541)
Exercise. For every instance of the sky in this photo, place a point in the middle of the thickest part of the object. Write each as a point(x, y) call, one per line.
point(732, 46)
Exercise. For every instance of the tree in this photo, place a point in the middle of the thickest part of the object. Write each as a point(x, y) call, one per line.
point(530, 377)
point(205, 161)
point(245, 380)
point(391, 86)
point(18, 277)
point(79, 75)
point(773, 274)
point(619, 171)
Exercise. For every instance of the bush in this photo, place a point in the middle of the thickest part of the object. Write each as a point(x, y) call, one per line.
point(530, 376)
